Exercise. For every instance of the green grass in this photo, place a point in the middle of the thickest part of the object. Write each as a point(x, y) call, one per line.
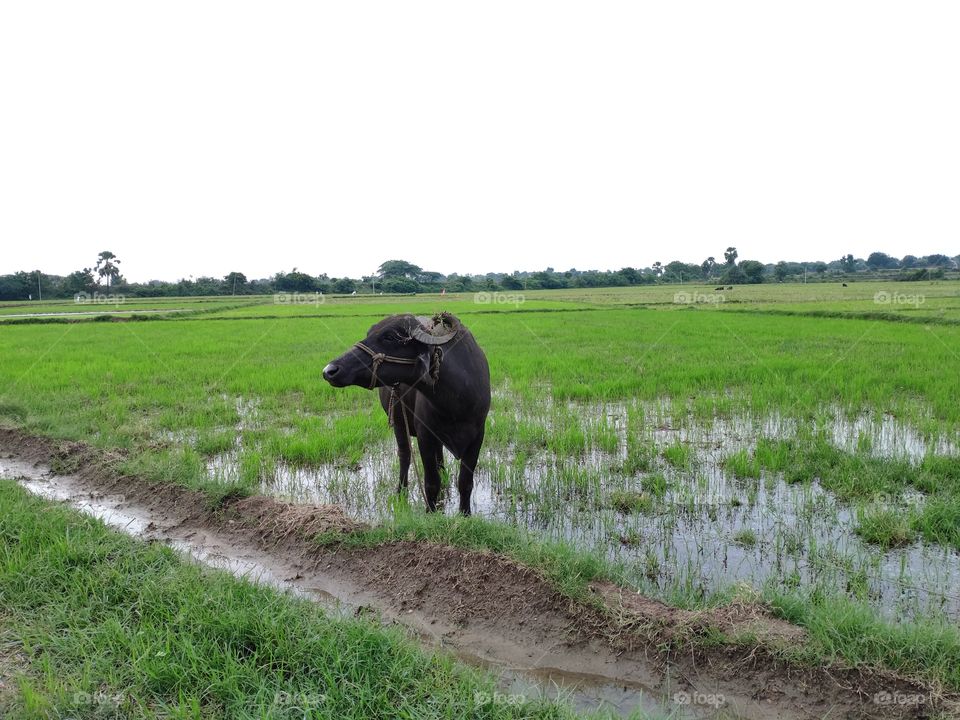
point(887, 528)
point(627, 501)
point(180, 375)
point(113, 627)
point(678, 455)
point(173, 396)
point(839, 628)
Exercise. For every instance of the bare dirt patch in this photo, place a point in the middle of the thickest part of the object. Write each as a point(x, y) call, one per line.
point(488, 608)
point(745, 619)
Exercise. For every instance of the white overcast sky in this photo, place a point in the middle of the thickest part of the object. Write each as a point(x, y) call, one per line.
point(196, 138)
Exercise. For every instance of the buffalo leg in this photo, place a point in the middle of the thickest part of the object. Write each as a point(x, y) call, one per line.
point(429, 447)
point(403, 444)
point(468, 464)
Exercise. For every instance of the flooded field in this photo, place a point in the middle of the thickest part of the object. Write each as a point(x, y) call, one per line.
point(657, 495)
point(622, 688)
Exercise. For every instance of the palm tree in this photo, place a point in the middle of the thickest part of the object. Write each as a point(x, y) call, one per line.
point(106, 267)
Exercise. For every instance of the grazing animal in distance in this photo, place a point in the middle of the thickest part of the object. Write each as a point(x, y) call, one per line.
point(434, 384)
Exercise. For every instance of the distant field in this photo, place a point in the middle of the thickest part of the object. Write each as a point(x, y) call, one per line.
point(110, 304)
point(798, 438)
point(934, 301)
point(300, 305)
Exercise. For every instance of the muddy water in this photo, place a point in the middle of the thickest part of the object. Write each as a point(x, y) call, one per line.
point(707, 531)
point(527, 673)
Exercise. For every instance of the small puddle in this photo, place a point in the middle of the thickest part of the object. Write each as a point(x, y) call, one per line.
point(584, 691)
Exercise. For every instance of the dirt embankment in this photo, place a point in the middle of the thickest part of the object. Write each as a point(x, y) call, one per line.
point(492, 609)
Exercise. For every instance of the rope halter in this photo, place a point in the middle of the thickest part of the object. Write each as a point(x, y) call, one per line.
point(378, 358)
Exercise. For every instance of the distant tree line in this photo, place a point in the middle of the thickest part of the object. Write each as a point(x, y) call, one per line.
point(400, 276)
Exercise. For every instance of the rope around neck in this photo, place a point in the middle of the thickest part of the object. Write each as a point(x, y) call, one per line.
point(379, 358)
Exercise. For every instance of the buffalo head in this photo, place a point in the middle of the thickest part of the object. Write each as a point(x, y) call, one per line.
point(398, 349)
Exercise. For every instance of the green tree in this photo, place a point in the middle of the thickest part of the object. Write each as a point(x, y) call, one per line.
point(548, 279)
point(294, 281)
point(734, 275)
point(106, 267)
point(235, 282)
point(399, 269)
point(512, 282)
point(18, 286)
point(343, 286)
point(429, 277)
point(752, 271)
point(401, 285)
point(937, 260)
point(80, 281)
point(730, 255)
point(707, 267)
point(676, 271)
point(881, 261)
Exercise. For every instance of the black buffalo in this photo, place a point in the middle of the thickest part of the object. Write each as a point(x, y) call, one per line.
point(434, 383)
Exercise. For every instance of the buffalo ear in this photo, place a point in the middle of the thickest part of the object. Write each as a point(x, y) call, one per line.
point(424, 361)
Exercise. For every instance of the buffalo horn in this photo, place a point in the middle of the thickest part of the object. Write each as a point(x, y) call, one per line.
point(421, 333)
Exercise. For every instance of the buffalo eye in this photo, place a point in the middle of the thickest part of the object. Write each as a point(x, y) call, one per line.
point(394, 338)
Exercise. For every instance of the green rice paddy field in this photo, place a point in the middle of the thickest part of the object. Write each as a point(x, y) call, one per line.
point(800, 439)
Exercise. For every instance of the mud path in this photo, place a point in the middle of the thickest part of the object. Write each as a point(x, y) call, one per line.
point(621, 651)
